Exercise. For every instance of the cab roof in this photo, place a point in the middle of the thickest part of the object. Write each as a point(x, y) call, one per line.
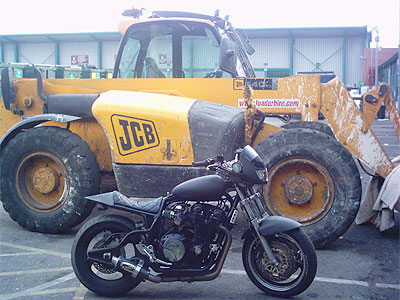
point(158, 16)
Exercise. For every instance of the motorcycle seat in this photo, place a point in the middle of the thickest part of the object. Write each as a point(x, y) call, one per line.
point(152, 206)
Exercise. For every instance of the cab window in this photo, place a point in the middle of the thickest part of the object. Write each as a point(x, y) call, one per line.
point(170, 50)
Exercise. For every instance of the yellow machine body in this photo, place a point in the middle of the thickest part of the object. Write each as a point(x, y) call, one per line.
point(301, 94)
point(140, 127)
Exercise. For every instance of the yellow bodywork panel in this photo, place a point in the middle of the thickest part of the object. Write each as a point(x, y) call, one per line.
point(300, 94)
point(145, 128)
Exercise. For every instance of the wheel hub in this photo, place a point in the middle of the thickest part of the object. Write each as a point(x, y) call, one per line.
point(286, 265)
point(298, 189)
point(42, 181)
point(45, 180)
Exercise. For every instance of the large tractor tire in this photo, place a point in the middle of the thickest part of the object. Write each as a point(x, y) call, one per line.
point(45, 173)
point(319, 126)
point(313, 179)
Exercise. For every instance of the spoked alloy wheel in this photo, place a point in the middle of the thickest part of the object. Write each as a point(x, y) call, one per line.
point(101, 232)
point(296, 268)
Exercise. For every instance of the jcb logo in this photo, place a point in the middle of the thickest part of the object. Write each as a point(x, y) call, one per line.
point(133, 134)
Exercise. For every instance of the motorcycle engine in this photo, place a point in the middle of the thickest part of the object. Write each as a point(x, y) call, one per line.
point(189, 231)
point(173, 246)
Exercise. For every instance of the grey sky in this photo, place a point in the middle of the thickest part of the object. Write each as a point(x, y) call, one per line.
point(53, 16)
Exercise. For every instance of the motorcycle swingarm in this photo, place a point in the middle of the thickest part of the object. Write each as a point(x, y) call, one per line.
point(97, 255)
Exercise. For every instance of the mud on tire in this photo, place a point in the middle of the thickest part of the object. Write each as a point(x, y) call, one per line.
point(319, 126)
point(45, 173)
point(312, 179)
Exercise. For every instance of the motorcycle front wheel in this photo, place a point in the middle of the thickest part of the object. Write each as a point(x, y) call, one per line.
point(101, 232)
point(296, 268)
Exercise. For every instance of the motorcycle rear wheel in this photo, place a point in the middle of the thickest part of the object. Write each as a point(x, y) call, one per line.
point(297, 263)
point(101, 279)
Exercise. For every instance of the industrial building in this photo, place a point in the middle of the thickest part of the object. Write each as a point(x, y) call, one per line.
point(279, 51)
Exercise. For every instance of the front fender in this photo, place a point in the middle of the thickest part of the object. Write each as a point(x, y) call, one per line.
point(32, 122)
point(273, 224)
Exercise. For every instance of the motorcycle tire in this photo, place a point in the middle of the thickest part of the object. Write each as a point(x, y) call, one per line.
point(297, 263)
point(101, 279)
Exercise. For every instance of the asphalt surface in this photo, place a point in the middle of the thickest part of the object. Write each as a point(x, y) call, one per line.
point(362, 264)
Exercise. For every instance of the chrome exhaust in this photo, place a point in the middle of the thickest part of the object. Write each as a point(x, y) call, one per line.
point(136, 270)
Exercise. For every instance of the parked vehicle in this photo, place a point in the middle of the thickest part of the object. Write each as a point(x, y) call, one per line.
point(47, 126)
point(185, 235)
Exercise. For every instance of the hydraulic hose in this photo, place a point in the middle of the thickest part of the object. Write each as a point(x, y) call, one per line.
point(39, 84)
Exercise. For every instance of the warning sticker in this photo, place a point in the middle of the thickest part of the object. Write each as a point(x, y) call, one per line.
point(275, 103)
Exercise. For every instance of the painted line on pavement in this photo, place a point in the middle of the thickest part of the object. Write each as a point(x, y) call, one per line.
point(40, 288)
point(80, 293)
point(36, 271)
point(330, 280)
point(342, 281)
point(37, 250)
point(18, 254)
point(38, 293)
point(388, 286)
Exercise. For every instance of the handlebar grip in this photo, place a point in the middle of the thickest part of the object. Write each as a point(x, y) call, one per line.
point(203, 163)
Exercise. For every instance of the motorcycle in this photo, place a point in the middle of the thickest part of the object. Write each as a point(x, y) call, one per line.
point(186, 235)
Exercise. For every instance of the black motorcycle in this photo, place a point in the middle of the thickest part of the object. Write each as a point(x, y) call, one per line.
point(185, 236)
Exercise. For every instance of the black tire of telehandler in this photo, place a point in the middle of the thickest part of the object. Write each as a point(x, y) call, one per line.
point(325, 151)
point(68, 159)
point(319, 126)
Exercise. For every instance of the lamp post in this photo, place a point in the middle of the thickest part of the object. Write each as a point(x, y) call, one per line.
point(376, 29)
point(376, 57)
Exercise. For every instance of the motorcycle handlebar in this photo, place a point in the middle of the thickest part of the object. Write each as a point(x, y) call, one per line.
point(203, 163)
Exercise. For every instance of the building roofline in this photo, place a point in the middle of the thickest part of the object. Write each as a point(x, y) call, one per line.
point(281, 32)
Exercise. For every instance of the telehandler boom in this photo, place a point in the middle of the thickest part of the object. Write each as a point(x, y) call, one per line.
point(54, 149)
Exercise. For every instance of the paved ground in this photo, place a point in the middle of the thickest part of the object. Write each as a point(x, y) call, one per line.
point(362, 264)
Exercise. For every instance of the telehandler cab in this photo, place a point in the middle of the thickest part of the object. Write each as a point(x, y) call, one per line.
point(56, 146)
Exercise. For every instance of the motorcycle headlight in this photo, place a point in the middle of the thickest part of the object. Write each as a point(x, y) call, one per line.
point(262, 174)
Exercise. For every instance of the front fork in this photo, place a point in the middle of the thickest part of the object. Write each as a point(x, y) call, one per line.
point(255, 212)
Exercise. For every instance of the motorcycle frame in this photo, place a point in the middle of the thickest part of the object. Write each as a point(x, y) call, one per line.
point(245, 197)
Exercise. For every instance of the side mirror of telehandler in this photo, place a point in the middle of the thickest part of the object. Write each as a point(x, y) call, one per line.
point(228, 56)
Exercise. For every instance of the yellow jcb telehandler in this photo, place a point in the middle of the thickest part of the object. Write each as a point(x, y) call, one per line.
point(160, 120)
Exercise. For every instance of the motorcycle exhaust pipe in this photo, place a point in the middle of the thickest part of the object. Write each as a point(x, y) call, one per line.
point(136, 270)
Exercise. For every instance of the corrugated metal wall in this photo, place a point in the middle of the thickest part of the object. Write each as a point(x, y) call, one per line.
point(318, 55)
point(109, 50)
point(78, 48)
point(308, 54)
point(271, 53)
point(8, 52)
point(354, 61)
point(39, 53)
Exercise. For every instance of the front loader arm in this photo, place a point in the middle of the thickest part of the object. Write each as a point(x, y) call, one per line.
point(372, 102)
point(352, 127)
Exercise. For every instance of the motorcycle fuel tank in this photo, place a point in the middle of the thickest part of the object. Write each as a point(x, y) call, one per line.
point(205, 188)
